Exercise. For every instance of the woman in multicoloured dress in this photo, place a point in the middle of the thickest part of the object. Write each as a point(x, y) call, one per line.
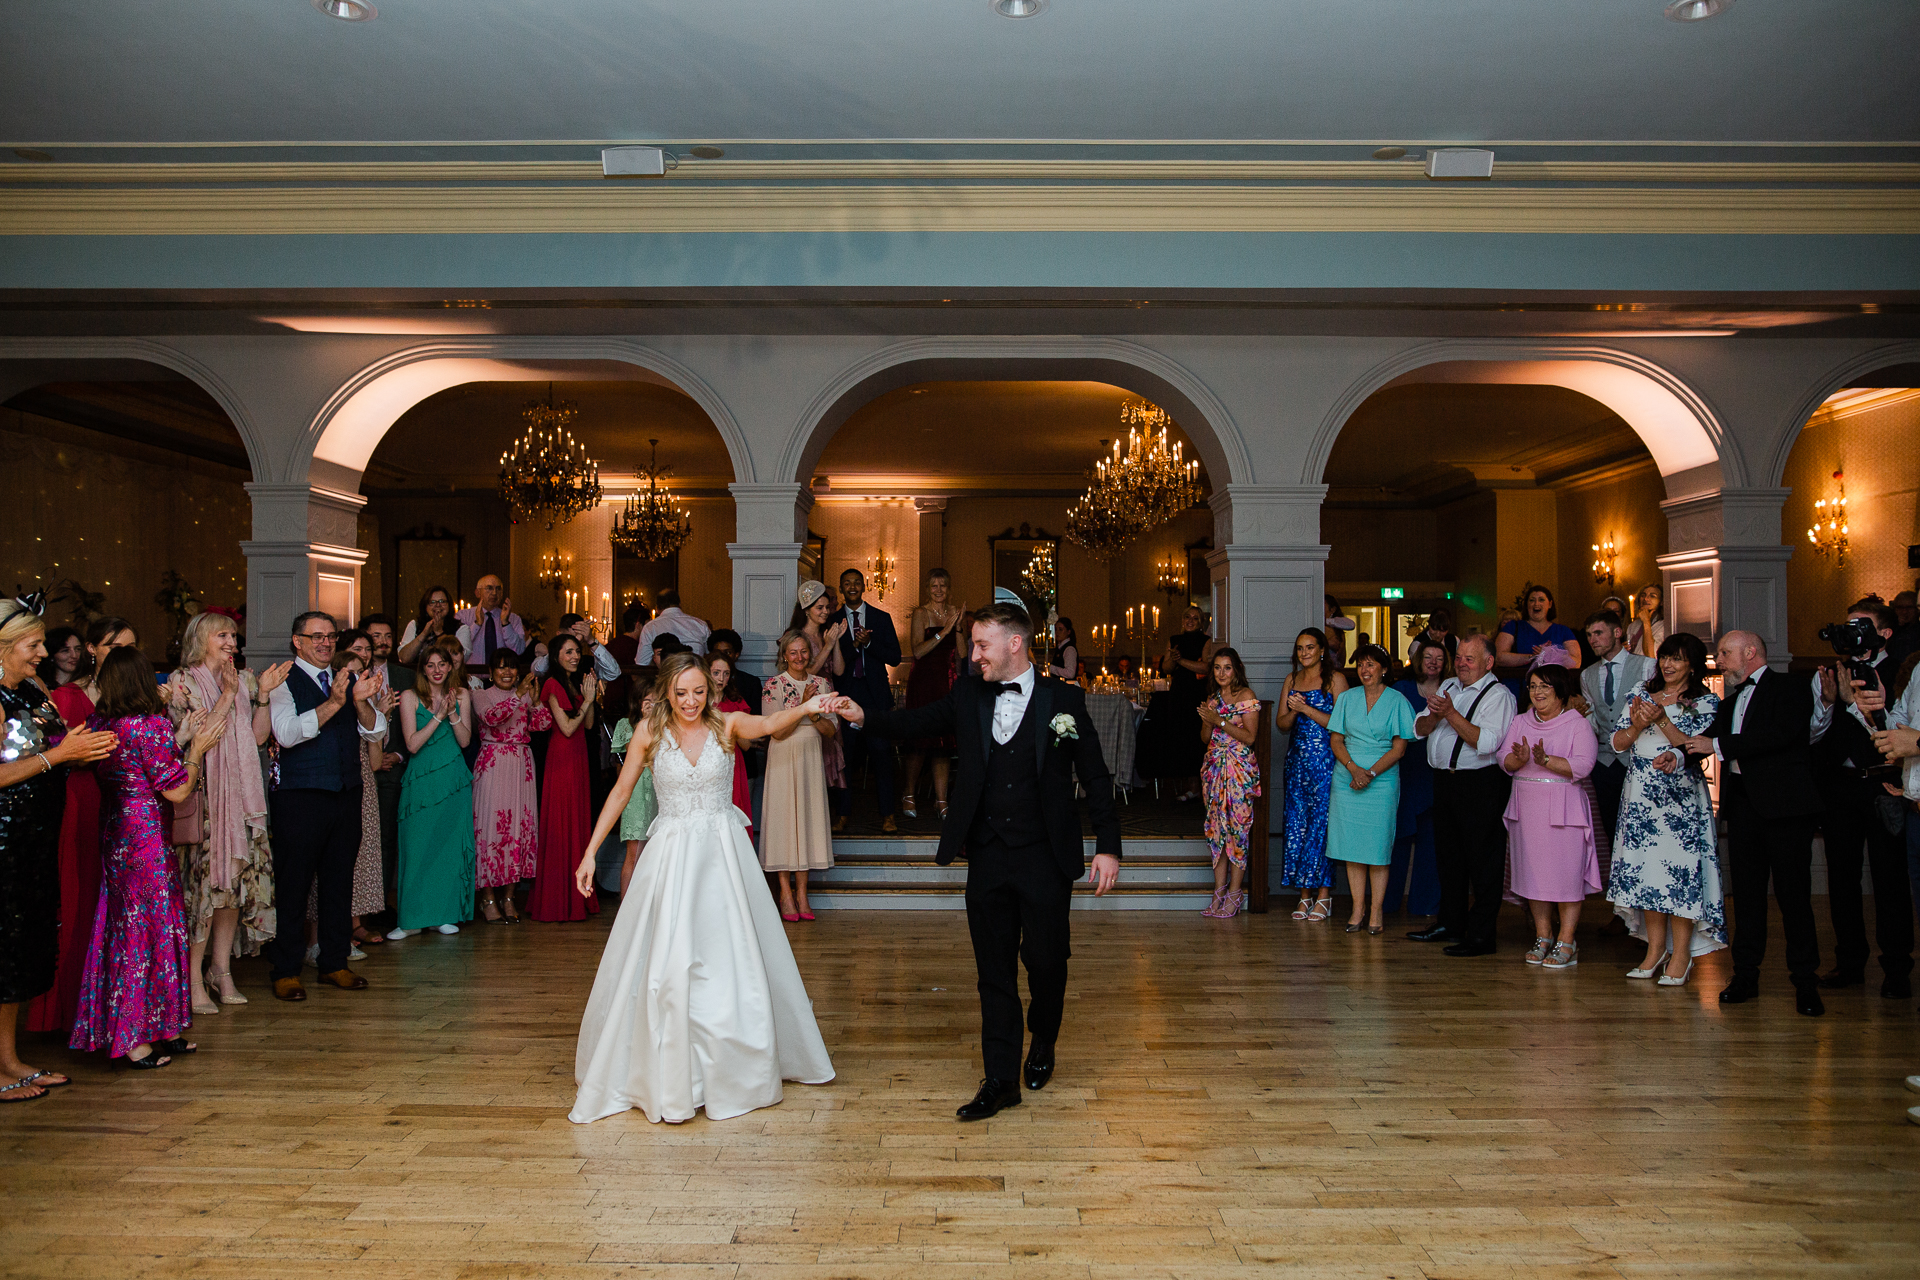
point(1305, 706)
point(32, 751)
point(506, 798)
point(228, 871)
point(134, 992)
point(1229, 779)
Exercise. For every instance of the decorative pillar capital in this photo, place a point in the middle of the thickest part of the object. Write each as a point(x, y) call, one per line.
point(1725, 518)
point(1267, 514)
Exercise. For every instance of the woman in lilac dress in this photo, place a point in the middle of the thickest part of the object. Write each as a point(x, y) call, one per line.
point(134, 991)
point(1548, 750)
point(506, 799)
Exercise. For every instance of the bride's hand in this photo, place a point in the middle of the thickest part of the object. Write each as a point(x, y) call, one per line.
point(583, 875)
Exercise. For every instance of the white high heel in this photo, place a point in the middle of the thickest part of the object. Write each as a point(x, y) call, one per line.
point(1681, 981)
point(1658, 965)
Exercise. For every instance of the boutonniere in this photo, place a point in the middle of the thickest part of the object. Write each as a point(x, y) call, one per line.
point(1063, 727)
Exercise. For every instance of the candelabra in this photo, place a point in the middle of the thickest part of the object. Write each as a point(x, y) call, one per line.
point(881, 573)
point(1172, 577)
point(556, 571)
point(1829, 532)
point(1604, 557)
point(1141, 632)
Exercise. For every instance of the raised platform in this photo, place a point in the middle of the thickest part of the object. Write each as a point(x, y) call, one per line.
point(900, 875)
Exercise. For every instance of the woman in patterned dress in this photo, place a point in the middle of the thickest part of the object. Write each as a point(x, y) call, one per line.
point(796, 835)
point(1666, 857)
point(1306, 704)
point(228, 873)
point(355, 654)
point(812, 608)
point(506, 799)
point(1229, 779)
point(133, 994)
point(31, 797)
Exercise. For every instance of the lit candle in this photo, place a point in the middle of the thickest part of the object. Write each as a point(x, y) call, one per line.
point(1129, 619)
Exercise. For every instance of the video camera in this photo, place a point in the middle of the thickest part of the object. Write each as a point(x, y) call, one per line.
point(1856, 641)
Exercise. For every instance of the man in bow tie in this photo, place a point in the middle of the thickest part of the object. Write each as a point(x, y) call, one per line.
point(1022, 739)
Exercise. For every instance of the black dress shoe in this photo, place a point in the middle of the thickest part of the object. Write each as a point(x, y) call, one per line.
point(1834, 979)
point(994, 1097)
point(1739, 991)
point(1039, 1067)
point(1900, 988)
point(1807, 1000)
point(1438, 933)
point(1469, 949)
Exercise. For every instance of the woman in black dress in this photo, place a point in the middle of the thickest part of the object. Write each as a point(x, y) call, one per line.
point(1171, 730)
point(937, 660)
point(32, 795)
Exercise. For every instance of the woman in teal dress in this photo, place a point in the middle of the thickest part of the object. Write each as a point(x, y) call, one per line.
point(1368, 733)
point(438, 858)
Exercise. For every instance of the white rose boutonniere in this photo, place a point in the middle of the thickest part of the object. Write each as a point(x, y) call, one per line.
point(1063, 728)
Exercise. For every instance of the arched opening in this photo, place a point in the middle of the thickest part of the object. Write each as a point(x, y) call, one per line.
point(1457, 494)
point(127, 484)
point(1863, 443)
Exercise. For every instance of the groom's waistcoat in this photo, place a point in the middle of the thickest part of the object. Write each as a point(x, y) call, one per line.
point(1010, 802)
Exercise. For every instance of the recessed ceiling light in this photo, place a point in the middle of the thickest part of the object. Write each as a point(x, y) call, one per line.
point(1389, 153)
point(1696, 10)
point(29, 154)
point(1019, 8)
point(347, 10)
point(706, 153)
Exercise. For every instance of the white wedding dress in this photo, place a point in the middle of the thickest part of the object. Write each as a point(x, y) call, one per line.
point(698, 1001)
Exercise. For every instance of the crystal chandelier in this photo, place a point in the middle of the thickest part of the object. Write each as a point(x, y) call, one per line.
point(1144, 484)
point(547, 472)
point(1039, 574)
point(1097, 529)
point(653, 525)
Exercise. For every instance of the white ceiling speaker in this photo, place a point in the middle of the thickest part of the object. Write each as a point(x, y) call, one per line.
point(1696, 10)
point(1460, 162)
point(632, 162)
point(1018, 8)
point(347, 10)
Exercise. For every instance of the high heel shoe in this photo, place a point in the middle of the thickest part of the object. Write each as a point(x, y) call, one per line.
point(1305, 909)
point(908, 808)
point(1652, 969)
point(940, 807)
point(1354, 927)
point(1322, 908)
point(204, 1004)
point(1376, 930)
point(1668, 980)
point(791, 917)
point(215, 977)
point(1213, 906)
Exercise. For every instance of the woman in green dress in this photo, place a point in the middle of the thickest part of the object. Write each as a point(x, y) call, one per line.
point(1368, 733)
point(437, 853)
point(641, 808)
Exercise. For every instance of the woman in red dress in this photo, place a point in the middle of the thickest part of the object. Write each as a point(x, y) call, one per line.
point(939, 652)
point(566, 792)
point(79, 836)
point(720, 670)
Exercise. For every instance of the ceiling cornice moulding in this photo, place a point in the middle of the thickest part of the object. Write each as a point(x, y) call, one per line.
point(622, 209)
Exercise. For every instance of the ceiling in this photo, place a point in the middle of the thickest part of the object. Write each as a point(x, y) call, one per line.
point(754, 76)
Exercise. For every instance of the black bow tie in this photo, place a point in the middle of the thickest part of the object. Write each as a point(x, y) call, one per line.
point(1012, 686)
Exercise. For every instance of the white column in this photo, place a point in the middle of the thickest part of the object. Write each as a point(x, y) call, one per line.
point(770, 521)
point(1726, 566)
point(303, 555)
point(1269, 574)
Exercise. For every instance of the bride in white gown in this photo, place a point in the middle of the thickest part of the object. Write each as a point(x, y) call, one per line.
point(698, 1001)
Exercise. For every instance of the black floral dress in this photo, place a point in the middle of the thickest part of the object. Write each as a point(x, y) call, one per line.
point(29, 847)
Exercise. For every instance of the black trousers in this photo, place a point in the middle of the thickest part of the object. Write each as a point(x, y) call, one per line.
point(1608, 782)
point(1780, 849)
point(1470, 847)
point(878, 753)
point(316, 834)
point(1018, 906)
point(1852, 823)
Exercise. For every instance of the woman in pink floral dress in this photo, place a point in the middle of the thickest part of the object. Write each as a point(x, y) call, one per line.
point(1229, 779)
point(506, 815)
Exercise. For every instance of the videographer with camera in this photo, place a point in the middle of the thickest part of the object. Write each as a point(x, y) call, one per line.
point(1859, 814)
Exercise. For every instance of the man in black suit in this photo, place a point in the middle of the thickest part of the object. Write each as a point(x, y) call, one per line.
point(869, 645)
point(1022, 738)
point(1771, 805)
point(1854, 820)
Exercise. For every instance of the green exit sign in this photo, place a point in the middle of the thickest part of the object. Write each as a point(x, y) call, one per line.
point(1393, 593)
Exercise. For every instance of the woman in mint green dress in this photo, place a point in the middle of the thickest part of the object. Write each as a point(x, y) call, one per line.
point(1368, 733)
point(437, 853)
point(641, 808)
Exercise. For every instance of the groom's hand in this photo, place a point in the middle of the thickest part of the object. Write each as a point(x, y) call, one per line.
point(850, 711)
point(1106, 872)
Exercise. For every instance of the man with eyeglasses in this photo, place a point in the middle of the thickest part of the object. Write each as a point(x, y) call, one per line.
point(316, 801)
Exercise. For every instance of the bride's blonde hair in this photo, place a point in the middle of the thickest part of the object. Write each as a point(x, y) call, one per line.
point(662, 717)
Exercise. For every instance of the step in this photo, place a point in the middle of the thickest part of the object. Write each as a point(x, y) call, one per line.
point(900, 874)
point(866, 895)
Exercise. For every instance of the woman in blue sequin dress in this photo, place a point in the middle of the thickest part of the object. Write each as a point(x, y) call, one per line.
point(1306, 703)
point(134, 1000)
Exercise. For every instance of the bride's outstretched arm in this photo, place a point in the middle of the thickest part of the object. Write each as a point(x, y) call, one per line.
point(743, 726)
point(637, 752)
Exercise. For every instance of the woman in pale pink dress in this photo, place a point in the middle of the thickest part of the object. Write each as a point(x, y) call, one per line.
point(1548, 749)
point(506, 815)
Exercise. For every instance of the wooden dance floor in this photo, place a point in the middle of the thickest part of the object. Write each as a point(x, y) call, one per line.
point(1251, 1094)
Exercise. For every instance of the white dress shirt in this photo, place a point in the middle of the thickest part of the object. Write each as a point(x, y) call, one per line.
point(684, 627)
point(1742, 699)
point(291, 728)
point(1905, 714)
point(1491, 717)
point(1011, 706)
point(1629, 669)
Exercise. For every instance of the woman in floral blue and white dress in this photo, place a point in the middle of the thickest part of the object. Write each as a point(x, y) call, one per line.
point(1666, 859)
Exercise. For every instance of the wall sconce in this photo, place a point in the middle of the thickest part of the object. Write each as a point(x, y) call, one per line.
point(556, 571)
point(1604, 556)
point(1829, 532)
point(1170, 578)
point(882, 574)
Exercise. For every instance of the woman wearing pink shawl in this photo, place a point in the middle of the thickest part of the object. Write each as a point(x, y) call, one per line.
point(227, 868)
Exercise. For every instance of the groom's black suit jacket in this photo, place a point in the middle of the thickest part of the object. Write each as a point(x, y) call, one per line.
point(967, 713)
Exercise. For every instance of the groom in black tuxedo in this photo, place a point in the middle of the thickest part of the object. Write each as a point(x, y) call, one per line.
point(1022, 738)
